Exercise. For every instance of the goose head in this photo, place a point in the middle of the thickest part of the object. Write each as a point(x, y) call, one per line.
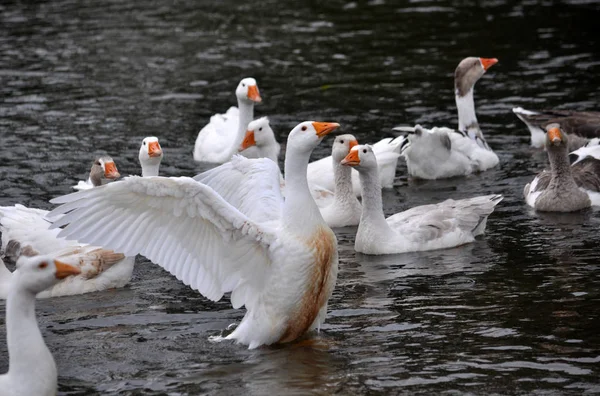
point(150, 151)
point(469, 71)
point(103, 170)
point(247, 91)
point(308, 134)
point(38, 273)
point(361, 157)
point(259, 134)
point(342, 146)
point(556, 139)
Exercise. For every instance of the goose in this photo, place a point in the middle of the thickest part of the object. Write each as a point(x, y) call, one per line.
point(103, 171)
point(579, 125)
point(320, 173)
point(565, 187)
point(25, 232)
point(442, 152)
point(221, 137)
point(260, 141)
point(232, 232)
point(343, 209)
point(31, 367)
point(427, 227)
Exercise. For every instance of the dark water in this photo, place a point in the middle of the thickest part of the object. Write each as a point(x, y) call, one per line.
point(516, 312)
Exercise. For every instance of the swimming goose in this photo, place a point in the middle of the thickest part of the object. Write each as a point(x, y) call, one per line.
point(565, 187)
point(150, 156)
point(260, 141)
point(321, 173)
point(443, 225)
point(439, 153)
point(103, 171)
point(344, 208)
point(232, 233)
point(577, 124)
point(25, 232)
point(31, 367)
point(222, 136)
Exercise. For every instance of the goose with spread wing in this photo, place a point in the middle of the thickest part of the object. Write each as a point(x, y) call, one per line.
point(443, 225)
point(442, 152)
point(222, 136)
point(232, 232)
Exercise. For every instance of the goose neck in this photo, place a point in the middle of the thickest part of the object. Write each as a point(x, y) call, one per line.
point(343, 182)
point(372, 212)
point(562, 177)
point(150, 169)
point(465, 105)
point(246, 114)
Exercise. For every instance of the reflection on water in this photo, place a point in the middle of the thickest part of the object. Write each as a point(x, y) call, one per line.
point(514, 312)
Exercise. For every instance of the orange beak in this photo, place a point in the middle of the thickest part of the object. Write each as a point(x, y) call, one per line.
point(351, 159)
point(253, 94)
point(248, 141)
point(63, 270)
point(488, 62)
point(154, 150)
point(110, 170)
point(324, 128)
point(353, 143)
point(554, 135)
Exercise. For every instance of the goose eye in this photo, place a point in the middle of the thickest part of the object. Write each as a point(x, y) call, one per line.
point(43, 265)
point(304, 128)
point(144, 143)
point(365, 151)
point(341, 141)
point(260, 129)
point(243, 85)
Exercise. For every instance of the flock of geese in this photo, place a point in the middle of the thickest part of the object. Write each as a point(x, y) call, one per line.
point(264, 236)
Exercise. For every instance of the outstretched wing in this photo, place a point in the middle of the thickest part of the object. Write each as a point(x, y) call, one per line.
point(253, 186)
point(180, 224)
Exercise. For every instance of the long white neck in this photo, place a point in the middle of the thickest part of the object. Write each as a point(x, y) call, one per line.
point(29, 357)
point(246, 114)
point(372, 206)
point(300, 212)
point(149, 169)
point(466, 111)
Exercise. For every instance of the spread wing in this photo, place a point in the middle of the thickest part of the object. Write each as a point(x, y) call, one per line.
point(180, 224)
point(253, 186)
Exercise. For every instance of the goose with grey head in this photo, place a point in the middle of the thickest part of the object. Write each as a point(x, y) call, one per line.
point(428, 227)
point(31, 367)
point(229, 232)
point(442, 152)
point(565, 187)
point(103, 171)
point(218, 140)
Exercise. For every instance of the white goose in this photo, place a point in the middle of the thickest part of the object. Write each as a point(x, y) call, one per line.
point(443, 152)
point(320, 173)
point(565, 187)
point(260, 141)
point(222, 136)
point(234, 233)
point(103, 171)
point(343, 209)
point(31, 367)
point(447, 224)
point(26, 232)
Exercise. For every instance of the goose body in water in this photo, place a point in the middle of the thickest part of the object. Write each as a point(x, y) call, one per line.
point(442, 152)
point(579, 125)
point(31, 368)
point(222, 136)
point(565, 187)
point(103, 171)
point(231, 232)
point(428, 227)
